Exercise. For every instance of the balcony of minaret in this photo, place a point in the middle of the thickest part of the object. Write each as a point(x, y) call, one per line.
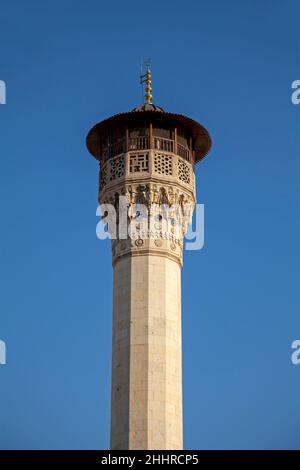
point(143, 154)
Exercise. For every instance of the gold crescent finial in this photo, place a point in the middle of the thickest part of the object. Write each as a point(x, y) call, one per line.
point(147, 79)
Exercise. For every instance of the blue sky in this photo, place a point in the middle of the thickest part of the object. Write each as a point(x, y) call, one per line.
point(230, 65)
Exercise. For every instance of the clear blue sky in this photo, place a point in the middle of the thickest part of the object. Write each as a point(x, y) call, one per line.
point(69, 64)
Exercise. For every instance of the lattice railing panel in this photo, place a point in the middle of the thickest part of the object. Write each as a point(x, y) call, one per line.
point(163, 164)
point(117, 167)
point(139, 163)
point(184, 172)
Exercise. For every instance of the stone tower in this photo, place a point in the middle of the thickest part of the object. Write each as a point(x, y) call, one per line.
point(147, 156)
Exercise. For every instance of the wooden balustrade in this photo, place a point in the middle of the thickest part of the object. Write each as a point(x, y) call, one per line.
point(143, 143)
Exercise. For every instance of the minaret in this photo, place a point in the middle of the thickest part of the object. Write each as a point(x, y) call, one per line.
point(147, 156)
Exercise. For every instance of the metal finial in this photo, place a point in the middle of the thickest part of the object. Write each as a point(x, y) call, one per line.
point(147, 79)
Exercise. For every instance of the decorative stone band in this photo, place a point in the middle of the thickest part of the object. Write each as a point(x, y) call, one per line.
point(152, 247)
point(156, 218)
point(149, 192)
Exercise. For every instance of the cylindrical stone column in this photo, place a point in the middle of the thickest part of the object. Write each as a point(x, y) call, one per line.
point(146, 406)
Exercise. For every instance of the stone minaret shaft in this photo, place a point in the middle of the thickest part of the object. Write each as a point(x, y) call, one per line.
point(147, 156)
point(146, 405)
point(146, 408)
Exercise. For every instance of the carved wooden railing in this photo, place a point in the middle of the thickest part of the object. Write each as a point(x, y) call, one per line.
point(143, 143)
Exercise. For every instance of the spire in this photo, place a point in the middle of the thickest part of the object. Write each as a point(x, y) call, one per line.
point(147, 79)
